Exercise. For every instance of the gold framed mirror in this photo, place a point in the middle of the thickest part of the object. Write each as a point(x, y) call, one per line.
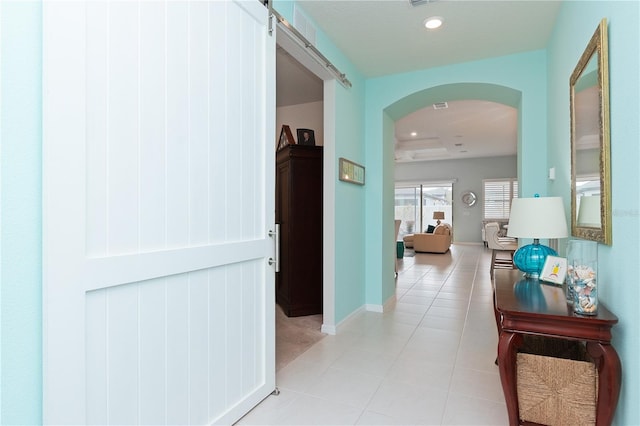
point(590, 146)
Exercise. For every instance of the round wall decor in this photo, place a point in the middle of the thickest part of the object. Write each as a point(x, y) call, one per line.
point(469, 198)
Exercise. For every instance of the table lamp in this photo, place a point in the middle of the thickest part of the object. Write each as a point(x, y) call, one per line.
point(538, 217)
point(589, 211)
point(438, 216)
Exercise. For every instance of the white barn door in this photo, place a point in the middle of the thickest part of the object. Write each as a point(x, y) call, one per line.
point(158, 201)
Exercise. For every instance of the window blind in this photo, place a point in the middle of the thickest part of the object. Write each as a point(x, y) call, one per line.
point(497, 197)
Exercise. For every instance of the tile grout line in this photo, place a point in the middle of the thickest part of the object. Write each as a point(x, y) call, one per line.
point(464, 326)
point(455, 265)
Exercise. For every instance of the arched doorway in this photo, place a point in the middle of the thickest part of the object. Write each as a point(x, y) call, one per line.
point(384, 109)
point(463, 134)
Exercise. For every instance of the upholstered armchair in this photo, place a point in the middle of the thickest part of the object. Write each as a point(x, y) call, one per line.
point(438, 242)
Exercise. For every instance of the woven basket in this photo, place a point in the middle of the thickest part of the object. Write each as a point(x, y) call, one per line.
point(556, 391)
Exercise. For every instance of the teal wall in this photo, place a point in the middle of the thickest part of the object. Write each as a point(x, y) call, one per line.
point(521, 81)
point(20, 213)
point(349, 199)
point(350, 229)
point(618, 263)
point(364, 215)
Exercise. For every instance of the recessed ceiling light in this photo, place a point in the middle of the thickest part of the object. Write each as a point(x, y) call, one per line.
point(414, 133)
point(433, 22)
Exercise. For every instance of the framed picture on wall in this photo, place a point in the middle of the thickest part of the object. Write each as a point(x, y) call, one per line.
point(306, 137)
point(286, 137)
point(351, 172)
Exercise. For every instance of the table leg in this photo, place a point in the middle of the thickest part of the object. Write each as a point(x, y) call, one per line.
point(609, 378)
point(496, 314)
point(507, 347)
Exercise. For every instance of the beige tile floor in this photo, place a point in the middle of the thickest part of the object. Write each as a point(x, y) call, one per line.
point(429, 361)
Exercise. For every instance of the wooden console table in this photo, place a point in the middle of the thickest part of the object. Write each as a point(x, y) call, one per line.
point(542, 310)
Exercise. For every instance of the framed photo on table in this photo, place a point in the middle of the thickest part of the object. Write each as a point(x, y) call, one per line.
point(554, 270)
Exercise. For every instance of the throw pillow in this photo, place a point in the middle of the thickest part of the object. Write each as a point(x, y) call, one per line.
point(442, 230)
point(430, 229)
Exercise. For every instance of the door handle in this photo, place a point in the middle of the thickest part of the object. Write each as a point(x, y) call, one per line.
point(275, 234)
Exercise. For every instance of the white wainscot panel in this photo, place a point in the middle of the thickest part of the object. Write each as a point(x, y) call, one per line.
point(122, 116)
point(220, 137)
point(153, 108)
point(177, 149)
point(97, 128)
point(175, 350)
point(152, 351)
point(199, 131)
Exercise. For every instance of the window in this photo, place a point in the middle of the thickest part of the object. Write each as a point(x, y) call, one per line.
point(498, 194)
point(407, 209)
point(415, 205)
point(587, 185)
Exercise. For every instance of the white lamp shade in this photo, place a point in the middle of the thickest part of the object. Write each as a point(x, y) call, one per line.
point(539, 217)
point(589, 211)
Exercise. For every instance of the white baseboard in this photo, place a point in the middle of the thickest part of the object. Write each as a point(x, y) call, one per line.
point(386, 307)
point(374, 308)
point(390, 304)
point(334, 329)
point(328, 329)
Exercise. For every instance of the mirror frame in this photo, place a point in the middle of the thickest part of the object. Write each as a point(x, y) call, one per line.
point(598, 45)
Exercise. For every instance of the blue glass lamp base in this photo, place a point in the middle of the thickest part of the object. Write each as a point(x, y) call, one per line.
point(530, 258)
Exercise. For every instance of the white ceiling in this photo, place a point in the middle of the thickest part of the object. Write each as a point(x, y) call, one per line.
point(384, 37)
point(295, 84)
point(465, 129)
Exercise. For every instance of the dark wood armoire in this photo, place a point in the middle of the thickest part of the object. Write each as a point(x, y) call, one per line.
point(299, 213)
